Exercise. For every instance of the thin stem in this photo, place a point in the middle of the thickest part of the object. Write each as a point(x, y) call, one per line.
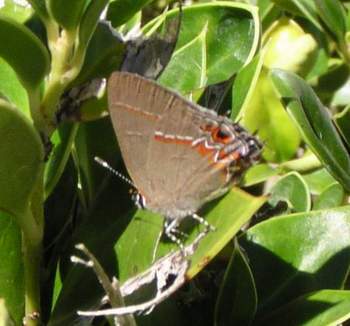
point(32, 249)
point(344, 51)
point(32, 226)
point(62, 47)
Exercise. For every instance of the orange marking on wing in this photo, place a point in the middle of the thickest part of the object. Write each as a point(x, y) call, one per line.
point(220, 137)
point(169, 140)
point(234, 156)
point(200, 148)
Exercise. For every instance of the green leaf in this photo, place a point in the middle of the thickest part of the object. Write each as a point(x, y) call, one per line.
point(215, 41)
point(284, 34)
point(20, 168)
point(19, 11)
point(11, 88)
point(120, 11)
point(258, 173)
point(305, 252)
point(11, 268)
point(67, 13)
point(237, 300)
point(318, 181)
point(89, 22)
point(265, 114)
point(315, 124)
point(342, 121)
point(86, 147)
point(244, 85)
point(333, 15)
point(292, 189)
point(39, 7)
point(62, 140)
point(24, 52)
point(227, 216)
point(129, 25)
point(135, 247)
point(322, 308)
point(103, 55)
point(194, 71)
point(331, 197)
point(304, 8)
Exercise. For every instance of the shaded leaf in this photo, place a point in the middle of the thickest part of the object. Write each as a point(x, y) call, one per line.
point(62, 140)
point(244, 85)
point(332, 196)
point(67, 13)
point(20, 168)
point(315, 124)
point(292, 189)
point(11, 268)
point(24, 52)
point(237, 300)
point(11, 88)
point(322, 308)
point(305, 252)
point(120, 11)
point(333, 14)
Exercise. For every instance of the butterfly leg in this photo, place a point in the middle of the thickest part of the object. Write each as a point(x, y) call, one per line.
point(170, 230)
point(201, 220)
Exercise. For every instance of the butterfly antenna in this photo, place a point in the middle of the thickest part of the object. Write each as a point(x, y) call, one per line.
point(115, 172)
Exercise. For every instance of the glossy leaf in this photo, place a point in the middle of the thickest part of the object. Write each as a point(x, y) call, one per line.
point(120, 11)
point(24, 52)
point(305, 252)
point(331, 197)
point(11, 88)
point(194, 71)
point(237, 300)
point(19, 169)
point(333, 15)
point(313, 121)
point(244, 85)
point(11, 268)
point(321, 308)
point(67, 13)
point(223, 36)
point(292, 189)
